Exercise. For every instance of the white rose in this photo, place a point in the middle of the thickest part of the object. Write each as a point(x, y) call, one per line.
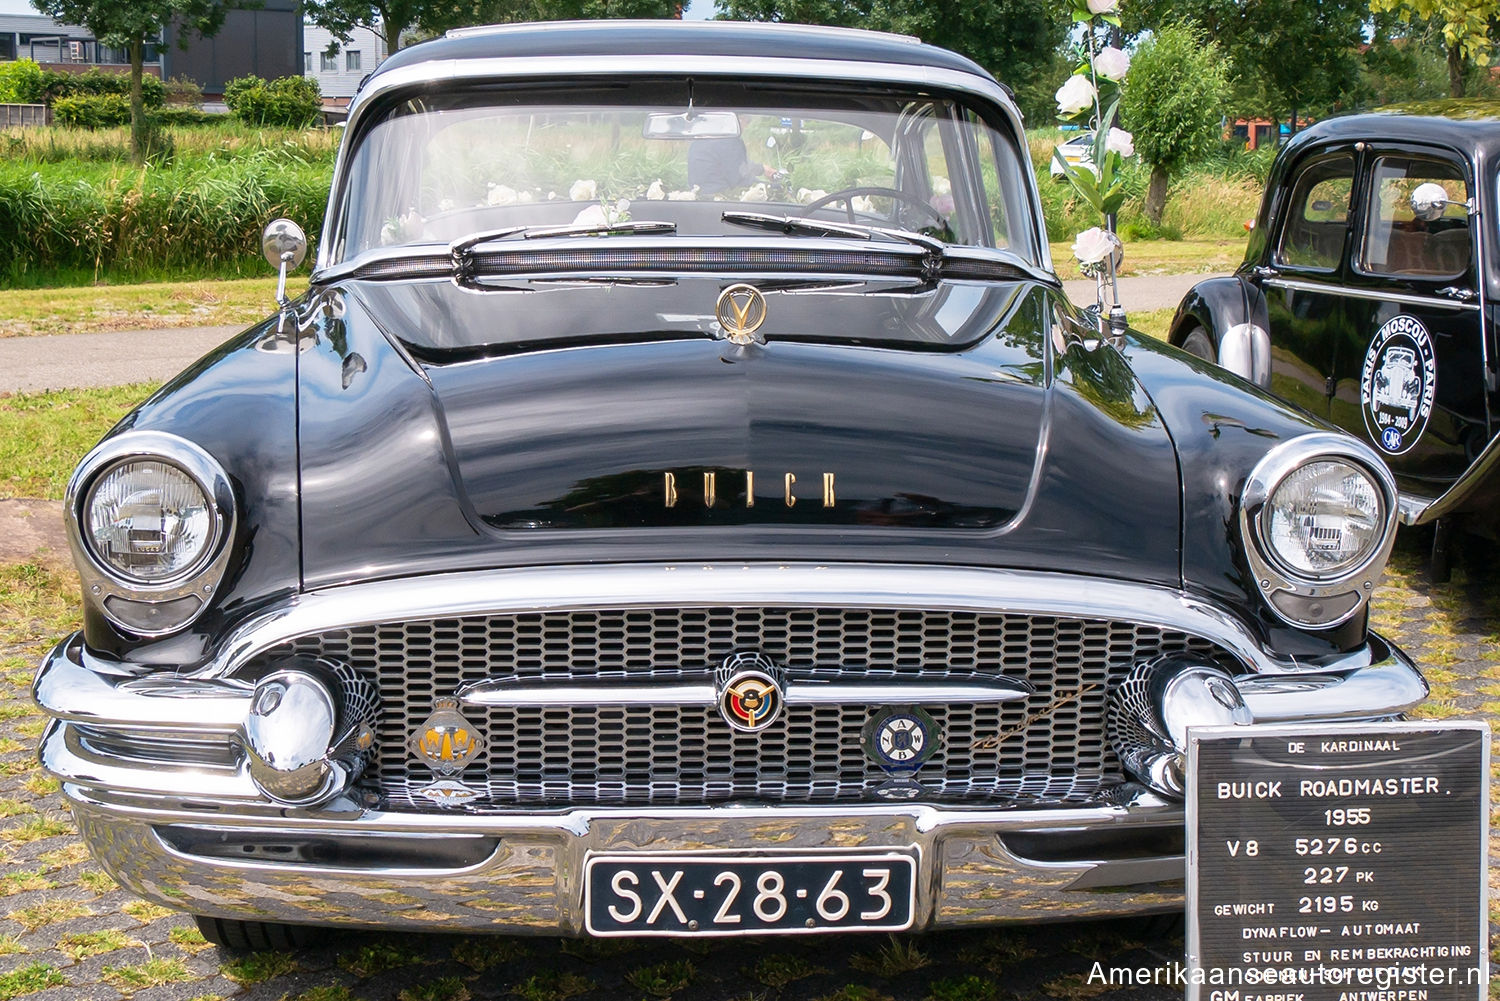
point(755, 193)
point(1093, 246)
point(1112, 63)
point(807, 195)
point(501, 194)
point(941, 186)
point(1119, 141)
point(1075, 95)
point(583, 191)
point(683, 196)
point(1103, 6)
point(527, 198)
point(656, 192)
point(593, 215)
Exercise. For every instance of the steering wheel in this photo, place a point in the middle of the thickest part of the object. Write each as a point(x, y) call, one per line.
point(847, 195)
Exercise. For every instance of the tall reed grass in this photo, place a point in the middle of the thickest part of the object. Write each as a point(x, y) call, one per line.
point(72, 207)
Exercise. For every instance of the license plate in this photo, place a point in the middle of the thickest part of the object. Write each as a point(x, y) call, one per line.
point(780, 894)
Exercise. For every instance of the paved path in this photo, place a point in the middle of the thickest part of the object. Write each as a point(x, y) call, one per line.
point(1141, 294)
point(76, 361)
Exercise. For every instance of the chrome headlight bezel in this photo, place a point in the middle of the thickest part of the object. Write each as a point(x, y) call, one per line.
point(104, 585)
point(1295, 596)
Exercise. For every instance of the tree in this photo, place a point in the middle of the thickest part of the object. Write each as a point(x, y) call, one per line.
point(1465, 25)
point(1287, 58)
point(1173, 105)
point(1017, 40)
point(131, 25)
point(389, 19)
point(393, 20)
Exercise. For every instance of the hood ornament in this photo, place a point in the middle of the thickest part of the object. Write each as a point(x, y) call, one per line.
point(740, 310)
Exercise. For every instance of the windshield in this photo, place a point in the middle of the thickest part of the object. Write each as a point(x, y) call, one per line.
point(441, 168)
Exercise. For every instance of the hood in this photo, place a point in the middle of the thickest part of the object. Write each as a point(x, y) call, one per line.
point(865, 406)
point(572, 422)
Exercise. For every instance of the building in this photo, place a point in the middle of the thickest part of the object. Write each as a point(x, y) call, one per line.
point(339, 67)
point(265, 41)
point(59, 46)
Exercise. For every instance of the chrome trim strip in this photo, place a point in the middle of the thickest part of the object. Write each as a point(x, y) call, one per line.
point(1412, 510)
point(497, 693)
point(897, 694)
point(77, 687)
point(564, 588)
point(1358, 293)
point(1382, 690)
point(442, 72)
point(506, 692)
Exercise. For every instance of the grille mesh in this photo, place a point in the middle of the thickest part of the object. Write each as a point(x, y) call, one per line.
point(1051, 746)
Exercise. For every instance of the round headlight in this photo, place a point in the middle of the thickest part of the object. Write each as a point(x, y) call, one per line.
point(1324, 519)
point(149, 521)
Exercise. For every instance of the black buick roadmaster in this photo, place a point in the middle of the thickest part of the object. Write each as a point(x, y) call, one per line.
point(686, 503)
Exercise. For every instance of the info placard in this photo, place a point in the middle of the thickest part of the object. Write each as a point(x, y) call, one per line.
point(1338, 862)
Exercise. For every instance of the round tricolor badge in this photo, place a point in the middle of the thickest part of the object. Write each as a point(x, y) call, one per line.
point(750, 696)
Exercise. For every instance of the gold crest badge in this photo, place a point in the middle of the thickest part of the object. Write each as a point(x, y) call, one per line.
point(741, 310)
point(446, 742)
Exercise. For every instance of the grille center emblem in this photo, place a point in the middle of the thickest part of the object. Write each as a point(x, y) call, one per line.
point(741, 310)
point(750, 691)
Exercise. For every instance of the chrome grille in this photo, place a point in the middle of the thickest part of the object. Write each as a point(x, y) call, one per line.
point(1050, 747)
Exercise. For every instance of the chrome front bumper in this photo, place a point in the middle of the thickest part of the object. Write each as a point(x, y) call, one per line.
point(165, 800)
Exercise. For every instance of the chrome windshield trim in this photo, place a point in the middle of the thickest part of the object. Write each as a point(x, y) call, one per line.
point(1359, 293)
point(507, 692)
point(444, 72)
point(645, 585)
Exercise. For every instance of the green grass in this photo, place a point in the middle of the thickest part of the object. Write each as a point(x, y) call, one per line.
point(43, 435)
point(29, 980)
point(98, 308)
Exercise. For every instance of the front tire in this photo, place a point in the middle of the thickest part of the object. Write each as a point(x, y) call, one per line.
point(1198, 344)
point(256, 936)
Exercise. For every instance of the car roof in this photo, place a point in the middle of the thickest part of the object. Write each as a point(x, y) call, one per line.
point(1469, 124)
point(725, 39)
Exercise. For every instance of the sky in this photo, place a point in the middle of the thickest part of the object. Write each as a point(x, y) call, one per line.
point(698, 10)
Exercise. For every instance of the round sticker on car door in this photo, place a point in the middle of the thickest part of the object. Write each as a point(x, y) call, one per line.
point(1397, 384)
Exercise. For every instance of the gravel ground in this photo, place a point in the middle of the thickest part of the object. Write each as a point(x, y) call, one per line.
point(69, 933)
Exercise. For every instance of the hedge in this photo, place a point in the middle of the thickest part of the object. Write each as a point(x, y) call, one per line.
point(290, 101)
point(91, 111)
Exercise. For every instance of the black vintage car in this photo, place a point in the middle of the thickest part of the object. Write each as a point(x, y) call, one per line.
point(685, 503)
point(1370, 297)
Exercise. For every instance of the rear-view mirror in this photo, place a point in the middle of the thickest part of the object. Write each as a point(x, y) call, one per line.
point(692, 125)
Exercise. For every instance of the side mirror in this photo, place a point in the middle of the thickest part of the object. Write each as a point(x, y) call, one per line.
point(1430, 200)
point(285, 247)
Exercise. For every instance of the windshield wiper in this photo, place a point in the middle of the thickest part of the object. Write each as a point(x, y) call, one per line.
point(462, 246)
point(791, 224)
point(461, 251)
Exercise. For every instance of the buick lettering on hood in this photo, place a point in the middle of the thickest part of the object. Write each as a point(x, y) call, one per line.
point(684, 502)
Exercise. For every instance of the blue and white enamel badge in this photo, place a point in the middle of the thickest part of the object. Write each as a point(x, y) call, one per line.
point(901, 740)
point(1397, 384)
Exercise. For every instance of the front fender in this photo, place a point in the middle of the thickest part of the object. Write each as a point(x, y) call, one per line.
point(1232, 312)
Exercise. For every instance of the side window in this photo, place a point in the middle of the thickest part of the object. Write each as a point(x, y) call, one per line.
point(1396, 241)
point(1317, 217)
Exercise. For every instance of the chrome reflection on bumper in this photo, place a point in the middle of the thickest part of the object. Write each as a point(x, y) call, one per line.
point(531, 878)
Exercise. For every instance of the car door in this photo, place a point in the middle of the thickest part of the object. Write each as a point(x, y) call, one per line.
point(1410, 365)
point(1303, 278)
